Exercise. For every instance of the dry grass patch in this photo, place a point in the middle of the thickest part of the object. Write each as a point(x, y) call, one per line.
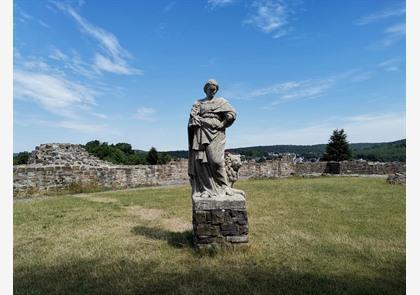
point(176, 224)
point(145, 213)
point(101, 199)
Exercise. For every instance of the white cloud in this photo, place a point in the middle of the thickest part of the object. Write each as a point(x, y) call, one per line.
point(297, 90)
point(286, 91)
point(307, 90)
point(376, 127)
point(42, 23)
point(359, 128)
point(76, 124)
point(398, 29)
point(361, 76)
point(115, 59)
point(278, 88)
point(391, 65)
point(106, 64)
point(27, 18)
point(73, 62)
point(79, 126)
point(381, 15)
point(169, 7)
point(24, 15)
point(99, 115)
point(368, 117)
point(145, 114)
point(219, 3)
point(393, 34)
point(55, 93)
point(57, 54)
point(271, 17)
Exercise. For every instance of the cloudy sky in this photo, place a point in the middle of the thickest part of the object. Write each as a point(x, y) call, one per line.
point(129, 71)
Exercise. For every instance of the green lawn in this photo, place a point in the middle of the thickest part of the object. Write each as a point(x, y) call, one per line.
point(328, 235)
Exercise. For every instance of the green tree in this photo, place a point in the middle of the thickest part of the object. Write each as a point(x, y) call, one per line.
point(120, 153)
point(125, 147)
point(91, 145)
point(163, 158)
point(136, 159)
point(152, 157)
point(21, 158)
point(338, 148)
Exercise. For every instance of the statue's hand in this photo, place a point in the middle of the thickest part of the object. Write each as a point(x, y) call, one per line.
point(229, 117)
point(195, 110)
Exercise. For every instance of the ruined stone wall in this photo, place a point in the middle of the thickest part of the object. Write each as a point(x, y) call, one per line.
point(62, 154)
point(349, 167)
point(365, 167)
point(58, 167)
point(270, 169)
point(310, 168)
point(41, 179)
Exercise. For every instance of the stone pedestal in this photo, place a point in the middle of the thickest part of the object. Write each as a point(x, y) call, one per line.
point(220, 222)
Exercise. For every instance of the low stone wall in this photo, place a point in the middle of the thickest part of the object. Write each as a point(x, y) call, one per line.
point(271, 169)
point(349, 167)
point(310, 168)
point(40, 179)
point(364, 167)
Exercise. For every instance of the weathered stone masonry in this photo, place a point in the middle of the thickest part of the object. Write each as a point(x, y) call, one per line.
point(56, 167)
point(220, 222)
point(36, 179)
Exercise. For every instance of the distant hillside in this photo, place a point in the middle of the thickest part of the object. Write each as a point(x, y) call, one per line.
point(122, 153)
point(383, 151)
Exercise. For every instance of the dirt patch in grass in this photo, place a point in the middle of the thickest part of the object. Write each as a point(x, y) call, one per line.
point(176, 224)
point(101, 199)
point(145, 213)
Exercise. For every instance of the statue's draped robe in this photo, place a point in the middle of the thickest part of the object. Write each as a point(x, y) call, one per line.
point(206, 139)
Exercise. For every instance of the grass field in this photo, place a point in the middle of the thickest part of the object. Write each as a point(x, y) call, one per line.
point(325, 235)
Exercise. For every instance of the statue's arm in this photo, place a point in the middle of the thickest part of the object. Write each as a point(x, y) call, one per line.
point(194, 116)
point(229, 118)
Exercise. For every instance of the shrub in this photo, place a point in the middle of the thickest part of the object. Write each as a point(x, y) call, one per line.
point(21, 158)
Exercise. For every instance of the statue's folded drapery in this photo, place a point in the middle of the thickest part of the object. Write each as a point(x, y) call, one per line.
point(206, 139)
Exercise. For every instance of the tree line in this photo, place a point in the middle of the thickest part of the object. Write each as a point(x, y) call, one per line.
point(123, 153)
point(337, 149)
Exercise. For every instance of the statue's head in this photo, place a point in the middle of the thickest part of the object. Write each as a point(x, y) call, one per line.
point(211, 88)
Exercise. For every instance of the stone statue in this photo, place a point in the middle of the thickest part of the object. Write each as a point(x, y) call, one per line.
point(232, 163)
point(208, 121)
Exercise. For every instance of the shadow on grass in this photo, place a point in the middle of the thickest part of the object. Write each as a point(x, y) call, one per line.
point(176, 239)
point(194, 277)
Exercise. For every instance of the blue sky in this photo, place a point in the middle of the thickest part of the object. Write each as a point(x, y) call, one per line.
point(129, 71)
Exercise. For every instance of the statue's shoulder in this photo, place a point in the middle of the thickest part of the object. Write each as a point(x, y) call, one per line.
point(218, 100)
point(221, 100)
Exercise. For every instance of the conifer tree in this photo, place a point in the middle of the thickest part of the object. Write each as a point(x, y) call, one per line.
point(338, 148)
point(152, 156)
